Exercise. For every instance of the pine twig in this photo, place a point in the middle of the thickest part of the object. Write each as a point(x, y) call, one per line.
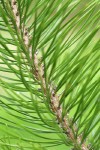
point(55, 106)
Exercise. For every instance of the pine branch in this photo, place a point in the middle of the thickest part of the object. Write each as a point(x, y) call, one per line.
point(64, 122)
point(64, 36)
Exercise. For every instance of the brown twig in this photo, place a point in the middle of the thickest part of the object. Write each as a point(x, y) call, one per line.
point(64, 122)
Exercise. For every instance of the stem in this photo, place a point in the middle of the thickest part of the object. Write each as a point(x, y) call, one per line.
point(64, 122)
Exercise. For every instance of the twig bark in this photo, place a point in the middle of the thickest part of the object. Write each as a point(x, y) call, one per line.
point(64, 122)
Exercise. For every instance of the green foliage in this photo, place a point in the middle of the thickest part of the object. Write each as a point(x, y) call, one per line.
point(65, 33)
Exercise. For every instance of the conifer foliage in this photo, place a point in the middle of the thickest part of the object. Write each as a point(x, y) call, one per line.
point(49, 74)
